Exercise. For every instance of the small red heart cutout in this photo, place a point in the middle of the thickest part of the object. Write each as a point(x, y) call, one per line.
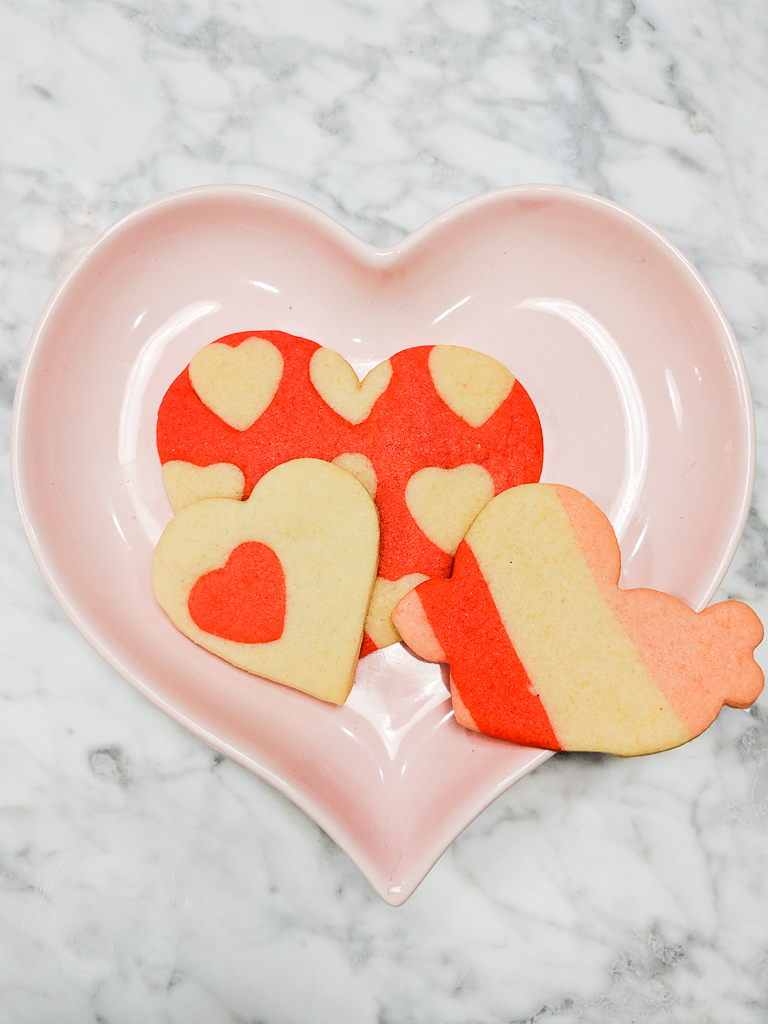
point(244, 601)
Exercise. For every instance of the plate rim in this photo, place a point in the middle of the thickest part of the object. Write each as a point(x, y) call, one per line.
point(377, 258)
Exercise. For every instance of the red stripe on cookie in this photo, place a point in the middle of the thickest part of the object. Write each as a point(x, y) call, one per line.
point(485, 669)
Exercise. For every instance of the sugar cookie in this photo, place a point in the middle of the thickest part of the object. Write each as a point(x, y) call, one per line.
point(278, 584)
point(546, 650)
point(433, 432)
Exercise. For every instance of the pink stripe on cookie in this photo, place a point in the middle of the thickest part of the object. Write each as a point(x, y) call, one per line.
point(700, 661)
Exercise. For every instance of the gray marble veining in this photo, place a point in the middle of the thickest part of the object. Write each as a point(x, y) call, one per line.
point(143, 876)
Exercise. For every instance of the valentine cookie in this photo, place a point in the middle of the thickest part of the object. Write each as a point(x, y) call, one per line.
point(546, 650)
point(278, 584)
point(432, 433)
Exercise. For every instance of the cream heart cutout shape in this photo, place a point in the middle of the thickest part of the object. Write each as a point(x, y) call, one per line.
point(323, 528)
point(185, 482)
point(338, 385)
point(237, 383)
point(444, 502)
point(361, 467)
point(470, 383)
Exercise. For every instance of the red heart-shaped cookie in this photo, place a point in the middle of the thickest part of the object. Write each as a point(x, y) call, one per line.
point(425, 412)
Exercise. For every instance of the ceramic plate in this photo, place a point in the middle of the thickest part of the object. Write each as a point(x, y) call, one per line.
point(635, 373)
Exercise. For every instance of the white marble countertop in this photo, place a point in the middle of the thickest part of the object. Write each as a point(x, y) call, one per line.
point(143, 877)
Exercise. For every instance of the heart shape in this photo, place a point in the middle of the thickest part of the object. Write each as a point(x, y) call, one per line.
point(445, 501)
point(244, 601)
point(437, 406)
point(565, 288)
point(469, 382)
point(337, 384)
point(237, 383)
point(184, 482)
point(317, 529)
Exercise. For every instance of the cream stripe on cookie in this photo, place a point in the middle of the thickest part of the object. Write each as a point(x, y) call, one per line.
point(699, 660)
point(589, 675)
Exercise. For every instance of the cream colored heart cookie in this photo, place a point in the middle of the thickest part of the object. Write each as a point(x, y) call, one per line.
point(444, 502)
point(337, 384)
point(237, 383)
point(279, 584)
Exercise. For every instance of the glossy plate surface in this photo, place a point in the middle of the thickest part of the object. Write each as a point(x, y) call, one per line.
point(635, 373)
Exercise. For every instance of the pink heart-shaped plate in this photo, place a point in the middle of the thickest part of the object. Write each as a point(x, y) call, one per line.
point(634, 370)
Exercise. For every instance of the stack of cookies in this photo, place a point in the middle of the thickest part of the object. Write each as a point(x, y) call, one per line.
point(319, 518)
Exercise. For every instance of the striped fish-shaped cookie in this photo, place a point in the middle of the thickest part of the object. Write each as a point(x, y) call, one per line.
point(546, 650)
